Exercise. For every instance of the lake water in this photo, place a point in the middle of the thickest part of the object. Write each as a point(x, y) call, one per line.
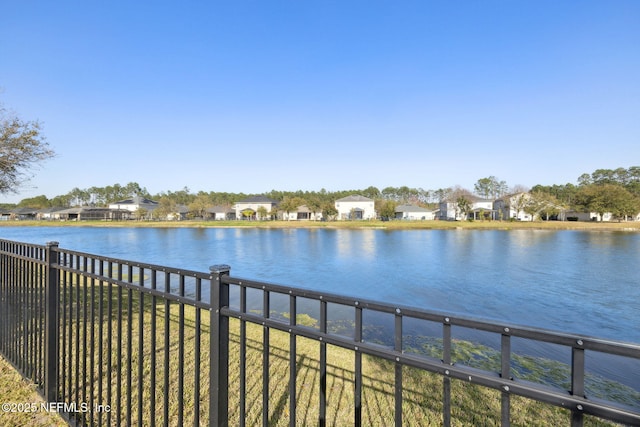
point(573, 281)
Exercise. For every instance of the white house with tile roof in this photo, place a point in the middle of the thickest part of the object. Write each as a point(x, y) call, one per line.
point(248, 208)
point(355, 207)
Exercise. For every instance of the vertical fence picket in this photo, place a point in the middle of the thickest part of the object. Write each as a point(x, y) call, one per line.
point(505, 373)
point(181, 353)
point(167, 343)
point(446, 381)
point(577, 381)
point(152, 354)
point(358, 367)
point(322, 416)
point(293, 310)
point(219, 348)
point(140, 339)
point(265, 360)
point(243, 356)
point(196, 355)
point(51, 370)
point(398, 367)
point(129, 406)
point(109, 401)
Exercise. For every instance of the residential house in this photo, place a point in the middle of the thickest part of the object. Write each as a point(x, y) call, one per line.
point(512, 207)
point(24, 213)
point(412, 212)
point(482, 209)
point(450, 211)
point(221, 213)
point(49, 214)
point(479, 209)
point(588, 216)
point(355, 207)
point(5, 214)
point(302, 213)
point(135, 204)
point(249, 207)
point(94, 214)
point(179, 214)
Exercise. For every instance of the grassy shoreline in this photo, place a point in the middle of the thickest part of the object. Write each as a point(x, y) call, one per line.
point(385, 225)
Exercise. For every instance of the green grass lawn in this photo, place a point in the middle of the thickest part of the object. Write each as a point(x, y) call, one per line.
point(15, 389)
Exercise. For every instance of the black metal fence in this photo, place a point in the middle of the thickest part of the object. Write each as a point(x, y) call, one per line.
point(116, 342)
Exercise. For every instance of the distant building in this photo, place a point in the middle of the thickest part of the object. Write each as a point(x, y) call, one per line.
point(248, 208)
point(588, 216)
point(302, 213)
point(221, 213)
point(479, 209)
point(134, 204)
point(49, 214)
point(92, 214)
point(412, 212)
point(512, 207)
point(179, 214)
point(24, 213)
point(355, 207)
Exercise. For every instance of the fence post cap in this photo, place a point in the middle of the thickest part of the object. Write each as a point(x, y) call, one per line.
point(220, 268)
point(53, 243)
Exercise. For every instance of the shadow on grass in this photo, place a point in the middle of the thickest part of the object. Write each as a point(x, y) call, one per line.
point(170, 383)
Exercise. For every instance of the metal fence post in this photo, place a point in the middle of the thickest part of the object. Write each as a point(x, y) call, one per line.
point(219, 349)
point(51, 323)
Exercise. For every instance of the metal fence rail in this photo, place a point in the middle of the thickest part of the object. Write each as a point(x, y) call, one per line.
point(117, 342)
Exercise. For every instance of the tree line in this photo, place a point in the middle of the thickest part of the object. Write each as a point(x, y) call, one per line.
point(605, 190)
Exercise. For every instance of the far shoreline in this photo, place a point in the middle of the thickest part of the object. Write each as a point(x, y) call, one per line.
point(364, 224)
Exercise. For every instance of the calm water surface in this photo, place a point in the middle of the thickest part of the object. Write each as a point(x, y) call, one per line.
point(582, 282)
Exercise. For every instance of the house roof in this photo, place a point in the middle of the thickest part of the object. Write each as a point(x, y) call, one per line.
point(411, 208)
point(355, 198)
point(137, 200)
point(470, 197)
point(51, 210)
point(24, 211)
point(258, 199)
point(219, 209)
point(84, 210)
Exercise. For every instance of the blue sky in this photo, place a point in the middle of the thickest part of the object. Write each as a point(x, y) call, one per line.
point(250, 96)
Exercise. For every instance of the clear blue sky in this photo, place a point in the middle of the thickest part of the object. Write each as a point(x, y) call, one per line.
point(250, 96)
